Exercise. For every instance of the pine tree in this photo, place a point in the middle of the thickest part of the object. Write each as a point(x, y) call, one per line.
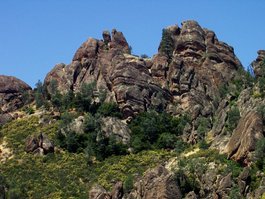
point(167, 44)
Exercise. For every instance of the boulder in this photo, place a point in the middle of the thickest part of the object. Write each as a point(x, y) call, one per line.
point(117, 191)
point(191, 195)
point(4, 118)
point(243, 140)
point(112, 126)
point(46, 144)
point(156, 184)
point(98, 192)
point(32, 143)
point(39, 145)
point(14, 93)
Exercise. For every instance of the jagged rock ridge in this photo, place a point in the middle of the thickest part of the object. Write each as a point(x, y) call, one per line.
point(199, 64)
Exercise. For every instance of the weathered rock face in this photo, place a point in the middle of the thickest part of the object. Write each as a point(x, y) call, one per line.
point(98, 192)
point(259, 64)
point(14, 93)
point(245, 136)
point(112, 126)
point(157, 183)
point(11, 93)
point(199, 64)
point(125, 78)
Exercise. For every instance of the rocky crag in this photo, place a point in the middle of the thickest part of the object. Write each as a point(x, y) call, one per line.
point(14, 94)
point(193, 74)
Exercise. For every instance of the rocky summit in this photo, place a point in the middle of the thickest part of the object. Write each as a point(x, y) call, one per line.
point(187, 122)
point(14, 93)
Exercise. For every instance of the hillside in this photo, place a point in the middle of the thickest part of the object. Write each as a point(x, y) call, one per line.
point(186, 123)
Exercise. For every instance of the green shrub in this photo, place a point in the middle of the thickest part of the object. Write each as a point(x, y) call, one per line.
point(204, 125)
point(148, 127)
point(180, 146)
point(186, 183)
point(109, 109)
point(144, 56)
point(28, 110)
point(233, 117)
point(66, 119)
point(166, 141)
point(223, 91)
point(128, 183)
point(68, 100)
point(203, 144)
point(91, 142)
point(235, 192)
point(39, 94)
point(260, 153)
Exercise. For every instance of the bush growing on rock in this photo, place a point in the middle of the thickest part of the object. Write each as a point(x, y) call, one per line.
point(204, 125)
point(233, 117)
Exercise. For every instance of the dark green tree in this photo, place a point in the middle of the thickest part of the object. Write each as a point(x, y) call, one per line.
point(39, 94)
point(109, 109)
point(260, 153)
point(83, 99)
point(233, 117)
point(167, 44)
point(147, 129)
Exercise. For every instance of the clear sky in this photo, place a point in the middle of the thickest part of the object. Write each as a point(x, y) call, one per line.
point(36, 34)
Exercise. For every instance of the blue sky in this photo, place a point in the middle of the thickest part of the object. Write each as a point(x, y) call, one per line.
point(36, 34)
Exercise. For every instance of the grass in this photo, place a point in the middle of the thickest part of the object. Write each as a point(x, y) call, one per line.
point(64, 174)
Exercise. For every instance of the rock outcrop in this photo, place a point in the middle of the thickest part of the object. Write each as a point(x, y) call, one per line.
point(243, 140)
point(112, 126)
point(155, 184)
point(259, 64)
point(14, 93)
point(98, 192)
point(199, 64)
point(125, 78)
point(40, 145)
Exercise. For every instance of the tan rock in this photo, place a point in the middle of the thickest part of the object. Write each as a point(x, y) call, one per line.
point(245, 136)
point(156, 184)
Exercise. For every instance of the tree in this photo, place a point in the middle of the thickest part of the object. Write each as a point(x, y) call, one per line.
point(260, 153)
point(167, 44)
point(203, 126)
point(83, 99)
point(39, 94)
point(166, 141)
point(56, 96)
point(109, 109)
point(233, 117)
point(154, 130)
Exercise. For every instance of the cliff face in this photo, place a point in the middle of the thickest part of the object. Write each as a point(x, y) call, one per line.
point(199, 63)
point(183, 77)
